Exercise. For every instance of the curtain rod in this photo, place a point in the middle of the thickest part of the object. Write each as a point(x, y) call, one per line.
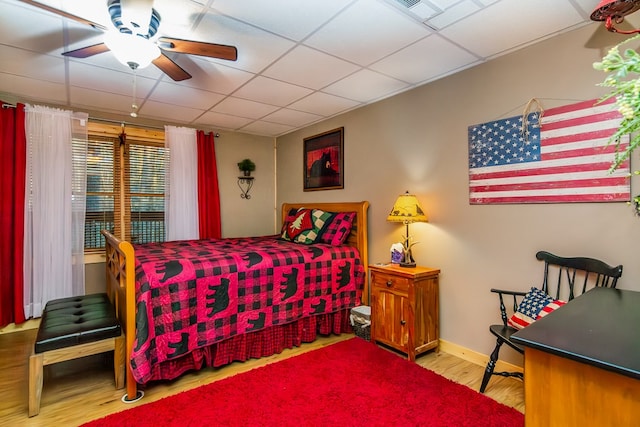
point(121, 122)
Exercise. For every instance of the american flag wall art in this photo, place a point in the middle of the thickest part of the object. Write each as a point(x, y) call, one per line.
point(563, 157)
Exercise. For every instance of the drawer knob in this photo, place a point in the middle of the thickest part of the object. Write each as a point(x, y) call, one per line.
point(403, 322)
point(389, 283)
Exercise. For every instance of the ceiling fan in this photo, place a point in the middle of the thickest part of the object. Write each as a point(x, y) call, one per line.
point(133, 41)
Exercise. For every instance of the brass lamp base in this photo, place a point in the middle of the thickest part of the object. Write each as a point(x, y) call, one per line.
point(408, 264)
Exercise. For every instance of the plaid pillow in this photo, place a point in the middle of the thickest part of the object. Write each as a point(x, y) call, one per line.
point(305, 226)
point(338, 229)
point(529, 308)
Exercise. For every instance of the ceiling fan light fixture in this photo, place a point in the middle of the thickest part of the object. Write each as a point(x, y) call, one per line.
point(134, 51)
point(613, 12)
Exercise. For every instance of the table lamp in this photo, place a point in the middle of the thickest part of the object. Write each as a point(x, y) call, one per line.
point(407, 209)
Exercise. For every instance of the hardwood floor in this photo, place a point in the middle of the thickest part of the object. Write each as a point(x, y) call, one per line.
point(78, 391)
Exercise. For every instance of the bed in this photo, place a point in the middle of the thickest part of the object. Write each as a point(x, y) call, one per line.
point(186, 305)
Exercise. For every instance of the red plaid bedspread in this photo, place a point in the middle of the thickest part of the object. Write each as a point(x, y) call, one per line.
point(192, 294)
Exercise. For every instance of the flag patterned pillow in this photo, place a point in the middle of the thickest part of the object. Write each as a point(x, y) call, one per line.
point(529, 308)
point(550, 307)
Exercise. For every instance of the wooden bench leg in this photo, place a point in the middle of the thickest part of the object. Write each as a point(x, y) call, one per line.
point(35, 383)
point(119, 360)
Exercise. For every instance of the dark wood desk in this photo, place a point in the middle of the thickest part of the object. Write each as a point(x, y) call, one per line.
point(582, 362)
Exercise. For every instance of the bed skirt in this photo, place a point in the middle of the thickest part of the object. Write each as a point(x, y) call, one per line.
point(258, 344)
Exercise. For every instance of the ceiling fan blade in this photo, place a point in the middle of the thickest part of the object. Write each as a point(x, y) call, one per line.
point(191, 47)
point(85, 52)
point(170, 68)
point(65, 14)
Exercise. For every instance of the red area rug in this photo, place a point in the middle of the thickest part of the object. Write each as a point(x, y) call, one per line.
point(351, 383)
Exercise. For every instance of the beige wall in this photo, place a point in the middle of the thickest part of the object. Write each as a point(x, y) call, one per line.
point(417, 141)
point(253, 216)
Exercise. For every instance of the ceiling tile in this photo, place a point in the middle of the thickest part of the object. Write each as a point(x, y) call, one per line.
point(270, 91)
point(367, 32)
point(291, 117)
point(90, 77)
point(42, 34)
point(310, 68)
point(425, 60)
point(455, 13)
point(267, 129)
point(244, 108)
point(294, 20)
point(212, 76)
point(160, 110)
point(211, 118)
point(104, 101)
point(324, 104)
point(478, 32)
point(256, 48)
point(365, 86)
point(33, 90)
point(30, 64)
point(172, 93)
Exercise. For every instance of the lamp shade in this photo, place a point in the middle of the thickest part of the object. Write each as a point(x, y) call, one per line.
point(132, 50)
point(614, 9)
point(407, 209)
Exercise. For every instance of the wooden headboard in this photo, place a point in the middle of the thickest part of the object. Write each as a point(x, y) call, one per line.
point(359, 232)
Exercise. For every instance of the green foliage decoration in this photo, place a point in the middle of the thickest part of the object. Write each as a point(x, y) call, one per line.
point(624, 81)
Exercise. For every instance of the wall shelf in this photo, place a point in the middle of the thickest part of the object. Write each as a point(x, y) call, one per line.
point(245, 183)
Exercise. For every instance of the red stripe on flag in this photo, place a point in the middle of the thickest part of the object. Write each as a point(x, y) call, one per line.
point(550, 198)
point(542, 171)
point(577, 106)
point(582, 120)
point(587, 136)
point(581, 152)
point(574, 183)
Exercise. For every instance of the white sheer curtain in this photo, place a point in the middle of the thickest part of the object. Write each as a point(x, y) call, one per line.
point(181, 185)
point(54, 206)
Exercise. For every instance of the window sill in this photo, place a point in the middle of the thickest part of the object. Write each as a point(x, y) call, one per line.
point(94, 258)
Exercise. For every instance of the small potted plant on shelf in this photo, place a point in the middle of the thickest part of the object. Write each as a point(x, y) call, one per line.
point(246, 166)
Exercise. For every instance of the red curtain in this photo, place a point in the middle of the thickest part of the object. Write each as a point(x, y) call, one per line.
point(208, 193)
point(13, 157)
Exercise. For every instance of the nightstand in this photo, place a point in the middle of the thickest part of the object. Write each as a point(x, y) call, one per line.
point(404, 308)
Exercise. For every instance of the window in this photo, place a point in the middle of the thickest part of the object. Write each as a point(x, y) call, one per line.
point(125, 184)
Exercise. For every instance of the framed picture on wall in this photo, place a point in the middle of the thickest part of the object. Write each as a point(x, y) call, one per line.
point(323, 161)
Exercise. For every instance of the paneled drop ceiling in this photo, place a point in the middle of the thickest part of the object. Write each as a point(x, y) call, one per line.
point(299, 62)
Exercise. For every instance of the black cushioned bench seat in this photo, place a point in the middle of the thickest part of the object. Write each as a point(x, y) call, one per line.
point(71, 328)
point(76, 320)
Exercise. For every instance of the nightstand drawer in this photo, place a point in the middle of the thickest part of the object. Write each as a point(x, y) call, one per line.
point(392, 282)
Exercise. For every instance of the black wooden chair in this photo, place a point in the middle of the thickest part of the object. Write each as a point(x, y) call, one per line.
point(564, 279)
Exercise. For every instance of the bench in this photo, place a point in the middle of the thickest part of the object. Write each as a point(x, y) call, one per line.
point(563, 279)
point(71, 328)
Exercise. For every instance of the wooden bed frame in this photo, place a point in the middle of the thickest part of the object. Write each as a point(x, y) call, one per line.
point(120, 271)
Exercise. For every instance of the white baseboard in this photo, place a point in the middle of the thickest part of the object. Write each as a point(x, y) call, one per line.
point(475, 357)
